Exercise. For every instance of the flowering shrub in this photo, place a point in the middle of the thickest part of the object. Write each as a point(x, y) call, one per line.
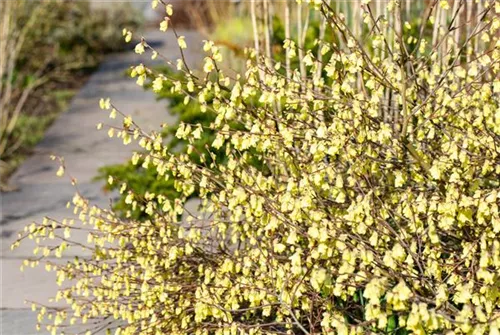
point(374, 209)
point(146, 180)
point(143, 180)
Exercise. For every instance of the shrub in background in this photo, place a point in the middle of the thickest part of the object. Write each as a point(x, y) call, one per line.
point(70, 39)
point(377, 210)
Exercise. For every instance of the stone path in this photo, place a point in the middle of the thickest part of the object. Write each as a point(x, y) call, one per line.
point(85, 149)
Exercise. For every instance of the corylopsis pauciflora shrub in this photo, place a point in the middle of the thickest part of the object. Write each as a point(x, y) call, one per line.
point(376, 212)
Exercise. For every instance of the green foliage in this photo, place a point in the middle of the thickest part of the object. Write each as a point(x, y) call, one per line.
point(235, 30)
point(72, 35)
point(30, 129)
point(70, 39)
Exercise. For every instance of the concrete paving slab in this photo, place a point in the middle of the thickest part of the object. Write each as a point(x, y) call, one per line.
point(23, 322)
point(33, 284)
point(19, 322)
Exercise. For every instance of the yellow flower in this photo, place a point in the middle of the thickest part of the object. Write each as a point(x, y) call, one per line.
point(182, 42)
point(169, 10)
point(208, 65)
point(60, 171)
point(164, 24)
point(158, 84)
point(139, 48)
